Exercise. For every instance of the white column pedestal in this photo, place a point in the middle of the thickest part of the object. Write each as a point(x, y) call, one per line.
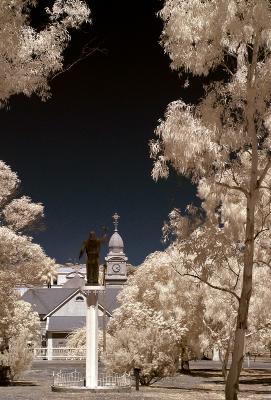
point(92, 335)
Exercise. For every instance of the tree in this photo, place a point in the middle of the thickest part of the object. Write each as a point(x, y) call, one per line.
point(22, 263)
point(223, 142)
point(23, 328)
point(19, 256)
point(157, 321)
point(77, 339)
point(30, 57)
point(202, 252)
point(219, 319)
point(220, 315)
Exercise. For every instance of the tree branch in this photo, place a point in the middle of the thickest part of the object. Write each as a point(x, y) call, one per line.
point(240, 189)
point(266, 263)
point(227, 68)
point(208, 283)
point(86, 52)
point(267, 325)
point(259, 232)
point(265, 187)
point(263, 175)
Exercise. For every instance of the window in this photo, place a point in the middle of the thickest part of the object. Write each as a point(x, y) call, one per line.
point(79, 298)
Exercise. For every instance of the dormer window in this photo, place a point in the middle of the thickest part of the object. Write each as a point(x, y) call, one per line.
point(79, 298)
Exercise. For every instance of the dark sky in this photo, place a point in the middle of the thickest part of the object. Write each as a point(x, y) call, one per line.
point(84, 153)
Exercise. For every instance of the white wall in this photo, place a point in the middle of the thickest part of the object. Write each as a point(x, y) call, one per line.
point(74, 308)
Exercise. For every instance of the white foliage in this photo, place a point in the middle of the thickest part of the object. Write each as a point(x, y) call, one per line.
point(210, 142)
point(23, 327)
point(183, 142)
point(211, 258)
point(197, 34)
point(24, 319)
point(223, 144)
point(77, 339)
point(8, 182)
point(22, 263)
point(21, 213)
point(30, 57)
point(25, 259)
point(161, 309)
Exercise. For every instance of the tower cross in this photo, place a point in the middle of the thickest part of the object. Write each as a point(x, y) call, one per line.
point(116, 218)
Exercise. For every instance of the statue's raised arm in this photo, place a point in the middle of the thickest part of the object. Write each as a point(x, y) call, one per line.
point(103, 239)
point(82, 250)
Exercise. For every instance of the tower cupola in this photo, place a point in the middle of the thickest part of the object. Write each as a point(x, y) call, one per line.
point(116, 261)
point(116, 243)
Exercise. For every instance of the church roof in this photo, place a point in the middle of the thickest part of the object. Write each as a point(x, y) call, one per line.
point(65, 324)
point(109, 301)
point(76, 282)
point(69, 268)
point(69, 324)
point(43, 300)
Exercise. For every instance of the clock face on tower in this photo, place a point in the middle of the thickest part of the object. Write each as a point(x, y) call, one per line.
point(116, 268)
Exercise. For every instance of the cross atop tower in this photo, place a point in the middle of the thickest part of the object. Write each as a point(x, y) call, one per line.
point(116, 218)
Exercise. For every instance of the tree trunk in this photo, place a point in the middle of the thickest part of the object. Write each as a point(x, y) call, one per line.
point(232, 384)
point(225, 360)
point(184, 361)
point(5, 375)
point(226, 357)
point(224, 368)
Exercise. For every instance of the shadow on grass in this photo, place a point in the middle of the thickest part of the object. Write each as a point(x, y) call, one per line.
point(252, 376)
point(206, 390)
point(23, 383)
point(256, 380)
point(205, 373)
point(261, 378)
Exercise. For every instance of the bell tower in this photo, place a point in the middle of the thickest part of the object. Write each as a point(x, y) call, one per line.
point(116, 261)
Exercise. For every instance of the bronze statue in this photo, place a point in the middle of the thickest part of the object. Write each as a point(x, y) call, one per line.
point(92, 248)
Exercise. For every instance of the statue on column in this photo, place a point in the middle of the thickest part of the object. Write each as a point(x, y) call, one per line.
point(92, 248)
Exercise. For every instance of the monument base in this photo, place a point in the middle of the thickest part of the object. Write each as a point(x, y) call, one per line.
point(98, 389)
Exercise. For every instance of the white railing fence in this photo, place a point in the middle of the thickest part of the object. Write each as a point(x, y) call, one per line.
point(69, 379)
point(114, 380)
point(75, 378)
point(59, 353)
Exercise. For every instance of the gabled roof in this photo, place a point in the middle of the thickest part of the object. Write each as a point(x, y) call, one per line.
point(76, 282)
point(58, 306)
point(109, 301)
point(65, 324)
point(44, 300)
point(69, 324)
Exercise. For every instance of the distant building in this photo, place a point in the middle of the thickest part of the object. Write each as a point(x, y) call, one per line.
point(62, 307)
